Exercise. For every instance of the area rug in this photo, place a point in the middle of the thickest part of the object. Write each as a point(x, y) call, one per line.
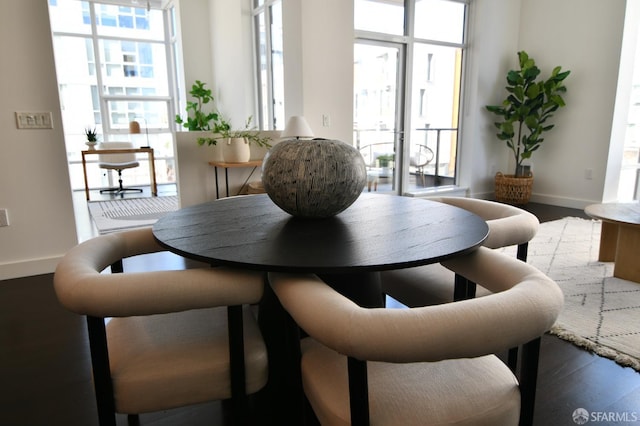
point(130, 213)
point(601, 313)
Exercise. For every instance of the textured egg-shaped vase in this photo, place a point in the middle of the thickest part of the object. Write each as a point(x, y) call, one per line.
point(313, 178)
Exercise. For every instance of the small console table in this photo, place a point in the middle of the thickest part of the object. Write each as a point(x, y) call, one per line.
point(620, 237)
point(148, 151)
point(226, 166)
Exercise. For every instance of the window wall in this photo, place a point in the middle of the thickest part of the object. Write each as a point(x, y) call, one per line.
point(406, 104)
point(113, 67)
point(269, 60)
point(629, 183)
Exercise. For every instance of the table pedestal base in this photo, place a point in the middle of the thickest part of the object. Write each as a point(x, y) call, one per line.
point(364, 288)
point(620, 237)
point(282, 337)
point(627, 265)
point(608, 242)
point(620, 243)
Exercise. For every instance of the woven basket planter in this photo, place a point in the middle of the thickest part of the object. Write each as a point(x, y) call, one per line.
point(513, 190)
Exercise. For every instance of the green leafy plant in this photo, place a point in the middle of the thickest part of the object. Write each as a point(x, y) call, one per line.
point(224, 130)
point(92, 134)
point(528, 107)
point(385, 159)
point(197, 119)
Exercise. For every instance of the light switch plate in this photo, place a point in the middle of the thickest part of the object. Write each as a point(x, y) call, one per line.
point(34, 120)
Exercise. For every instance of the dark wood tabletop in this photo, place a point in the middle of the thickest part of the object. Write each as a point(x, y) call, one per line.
point(378, 232)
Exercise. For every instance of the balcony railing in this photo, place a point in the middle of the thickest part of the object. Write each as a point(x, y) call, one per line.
point(441, 141)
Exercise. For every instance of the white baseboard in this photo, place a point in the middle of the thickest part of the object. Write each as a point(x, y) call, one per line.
point(573, 203)
point(27, 268)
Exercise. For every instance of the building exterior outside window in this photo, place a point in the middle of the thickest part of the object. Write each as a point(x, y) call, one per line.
point(270, 66)
point(112, 68)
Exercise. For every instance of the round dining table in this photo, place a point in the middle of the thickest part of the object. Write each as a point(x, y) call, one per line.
point(378, 232)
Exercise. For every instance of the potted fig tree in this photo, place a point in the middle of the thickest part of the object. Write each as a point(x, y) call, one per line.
point(523, 117)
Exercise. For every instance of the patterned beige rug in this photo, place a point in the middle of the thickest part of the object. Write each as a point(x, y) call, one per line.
point(129, 213)
point(601, 313)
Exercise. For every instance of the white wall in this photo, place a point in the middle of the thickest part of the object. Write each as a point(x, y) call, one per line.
point(233, 65)
point(34, 182)
point(197, 179)
point(583, 36)
point(217, 49)
point(292, 61)
point(327, 66)
point(194, 28)
point(493, 45)
point(318, 65)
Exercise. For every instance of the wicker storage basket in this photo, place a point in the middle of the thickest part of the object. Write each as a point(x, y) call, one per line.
point(513, 190)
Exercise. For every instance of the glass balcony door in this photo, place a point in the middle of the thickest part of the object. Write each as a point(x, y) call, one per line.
point(377, 111)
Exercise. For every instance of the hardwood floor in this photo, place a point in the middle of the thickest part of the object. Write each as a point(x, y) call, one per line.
point(46, 375)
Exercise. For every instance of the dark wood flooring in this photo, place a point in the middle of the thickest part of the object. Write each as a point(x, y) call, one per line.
point(45, 375)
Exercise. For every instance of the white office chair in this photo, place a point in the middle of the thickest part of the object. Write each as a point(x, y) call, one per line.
point(118, 162)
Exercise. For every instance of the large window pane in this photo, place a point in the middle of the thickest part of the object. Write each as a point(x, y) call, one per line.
point(382, 16)
point(435, 104)
point(263, 69)
point(77, 83)
point(439, 20)
point(375, 110)
point(70, 16)
point(130, 22)
point(125, 79)
point(270, 67)
point(135, 63)
point(277, 66)
point(375, 80)
point(150, 114)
